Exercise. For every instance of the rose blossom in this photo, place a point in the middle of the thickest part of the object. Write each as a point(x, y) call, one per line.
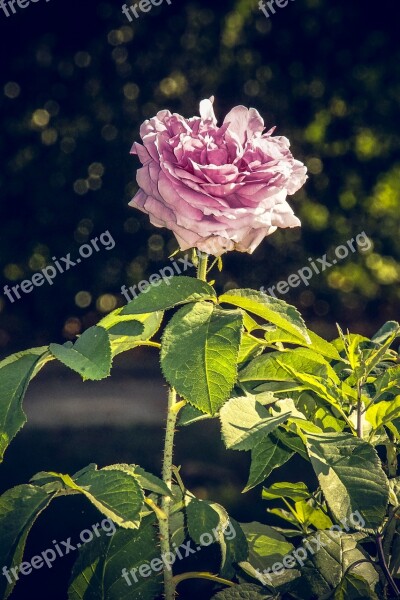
point(217, 188)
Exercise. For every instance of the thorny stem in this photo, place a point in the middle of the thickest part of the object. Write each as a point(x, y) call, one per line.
point(164, 523)
point(173, 410)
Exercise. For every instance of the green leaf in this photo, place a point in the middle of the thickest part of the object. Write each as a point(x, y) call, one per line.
point(207, 519)
point(334, 554)
point(351, 477)
point(274, 366)
point(199, 353)
point(388, 331)
point(16, 371)
point(318, 344)
point(149, 324)
point(352, 344)
point(98, 572)
point(150, 482)
point(42, 353)
point(394, 487)
point(201, 518)
point(177, 528)
point(288, 516)
point(249, 348)
point(387, 384)
point(237, 549)
point(245, 591)
point(271, 309)
point(354, 587)
point(266, 545)
point(292, 441)
point(115, 491)
point(266, 548)
point(383, 413)
point(19, 509)
point(90, 356)
point(245, 422)
point(189, 414)
point(294, 491)
point(132, 328)
point(266, 456)
point(308, 513)
point(169, 293)
point(322, 386)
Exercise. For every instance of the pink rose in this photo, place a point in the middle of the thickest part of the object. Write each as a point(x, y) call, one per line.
point(217, 188)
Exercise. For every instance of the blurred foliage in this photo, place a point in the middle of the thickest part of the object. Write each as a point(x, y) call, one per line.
point(79, 80)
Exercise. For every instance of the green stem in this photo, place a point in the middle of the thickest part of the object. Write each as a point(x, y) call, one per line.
point(164, 523)
point(359, 410)
point(202, 266)
point(164, 516)
point(202, 575)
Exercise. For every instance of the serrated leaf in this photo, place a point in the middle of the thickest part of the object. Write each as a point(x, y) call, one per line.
point(115, 491)
point(275, 366)
point(124, 340)
point(90, 356)
point(271, 309)
point(334, 554)
point(321, 386)
point(98, 572)
point(42, 353)
point(245, 421)
point(19, 509)
point(266, 456)
point(317, 343)
point(16, 371)
point(351, 477)
point(169, 293)
point(199, 353)
point(354, 587)
point(150, 482)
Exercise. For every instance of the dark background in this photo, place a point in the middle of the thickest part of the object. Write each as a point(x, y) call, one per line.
point(77, 79)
